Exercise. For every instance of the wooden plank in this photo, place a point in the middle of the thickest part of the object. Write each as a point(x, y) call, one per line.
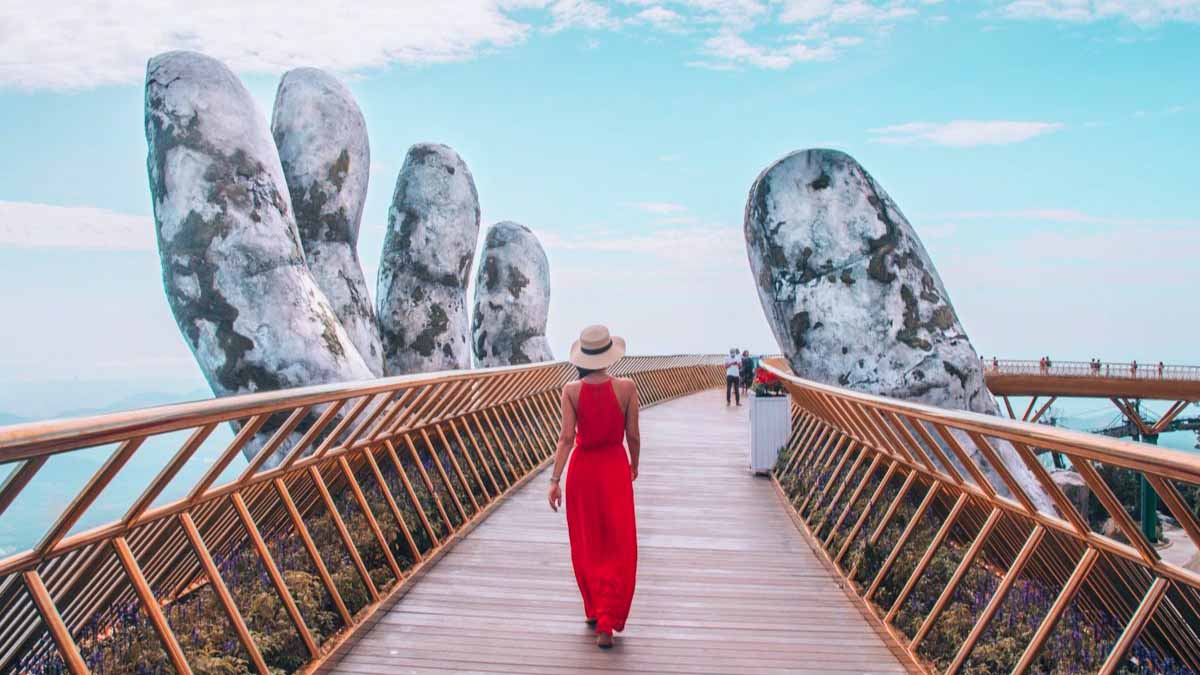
point(721, 572)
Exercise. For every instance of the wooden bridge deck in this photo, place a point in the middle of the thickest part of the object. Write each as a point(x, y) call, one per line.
point(725, 583)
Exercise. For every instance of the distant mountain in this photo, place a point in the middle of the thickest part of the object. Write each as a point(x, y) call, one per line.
point(131, 402)
point(142, 400)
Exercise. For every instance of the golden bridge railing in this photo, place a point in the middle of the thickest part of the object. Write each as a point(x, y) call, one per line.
point(354, 489)
point(1130, 370)
point(971, 576)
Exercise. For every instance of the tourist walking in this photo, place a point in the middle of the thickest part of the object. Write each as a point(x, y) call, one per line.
point(598, 410)
point(733, 368)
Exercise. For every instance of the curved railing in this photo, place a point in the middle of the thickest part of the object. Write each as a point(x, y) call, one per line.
point(965, 572)
point(351, 490)
point(1132, 370)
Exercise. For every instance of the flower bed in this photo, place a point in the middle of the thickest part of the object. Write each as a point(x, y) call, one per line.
point(1079, 643)
point(123, 639)
point(767, 383)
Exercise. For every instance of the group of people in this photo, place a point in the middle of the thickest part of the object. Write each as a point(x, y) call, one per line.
point(1095, 366)
point(739, 375)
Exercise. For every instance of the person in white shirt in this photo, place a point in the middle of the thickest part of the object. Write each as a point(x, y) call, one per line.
point(732, 368)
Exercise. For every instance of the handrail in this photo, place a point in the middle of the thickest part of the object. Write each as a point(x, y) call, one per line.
point(891, 490)
point(373, 479)
point(1114, 369)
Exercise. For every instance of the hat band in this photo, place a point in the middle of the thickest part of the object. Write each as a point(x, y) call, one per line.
point(593, 352)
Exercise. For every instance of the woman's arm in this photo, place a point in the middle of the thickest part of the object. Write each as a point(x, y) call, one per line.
point(633, 433)
point(566, 440)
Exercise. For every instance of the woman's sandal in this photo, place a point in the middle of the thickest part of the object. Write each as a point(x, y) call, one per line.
point(604, 640)
point(592, 621)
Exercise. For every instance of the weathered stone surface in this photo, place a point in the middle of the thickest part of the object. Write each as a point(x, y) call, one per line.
point(1075, 489)
point(433, 225)
point(512, 299)
point(322, 141)
point(233, 268)
point(851, 294)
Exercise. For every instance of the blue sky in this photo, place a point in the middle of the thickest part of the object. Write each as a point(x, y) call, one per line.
point(1043, 149)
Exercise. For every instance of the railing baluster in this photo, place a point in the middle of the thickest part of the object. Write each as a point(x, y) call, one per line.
point(997, 599)
point(310, 546)
point(372, 523)
point(168, 472)
point(1002, 470)
point(959, 572)
point(1115, 511)
point(1140, 618)
point(277, 439)
point(516, 435)
point(218, 467)
point(339, 524)
point(927, 557)
point(908, 531)
point(412, 494)
point(445, 478)
point(523, 458)
point(395, 507)
point(90, 492)
point(433, 493)
point(17, 480)
point(67, 649)
point(1086, 562)
point(264, 555)
point(150, 606)
point(309, 436)
point(462, 478)
point(901, 495)
point(862, 484)
point(866, 512)
point(834, 478)
point(487, 466)
point(222, 592)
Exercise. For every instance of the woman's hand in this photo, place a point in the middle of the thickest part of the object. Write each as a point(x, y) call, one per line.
point(554, 496)
point(632, 472)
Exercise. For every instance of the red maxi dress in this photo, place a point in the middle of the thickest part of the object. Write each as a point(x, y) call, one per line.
point(600, 517)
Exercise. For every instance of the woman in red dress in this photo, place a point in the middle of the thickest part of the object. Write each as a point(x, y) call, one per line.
point(598, 410)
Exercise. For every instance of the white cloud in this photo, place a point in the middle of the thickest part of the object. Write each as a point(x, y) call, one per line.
point(731, 49)
point(684, 247)
point(27, 225)
point(1073, 216)
point(661, 208)
point(92, 43)
point(581, 14)
point(660, 17)
point(963, 133)
point(74, 45)
point(1140, 12)
point(822, 29)
point(845, 11)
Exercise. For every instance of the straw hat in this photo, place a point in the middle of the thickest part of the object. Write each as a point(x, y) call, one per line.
point(596, 349)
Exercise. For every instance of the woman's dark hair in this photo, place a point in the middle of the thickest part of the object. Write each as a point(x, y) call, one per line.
point(584, 372)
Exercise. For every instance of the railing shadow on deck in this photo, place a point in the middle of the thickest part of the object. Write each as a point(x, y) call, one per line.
point(351, 490)
point(968, 575)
